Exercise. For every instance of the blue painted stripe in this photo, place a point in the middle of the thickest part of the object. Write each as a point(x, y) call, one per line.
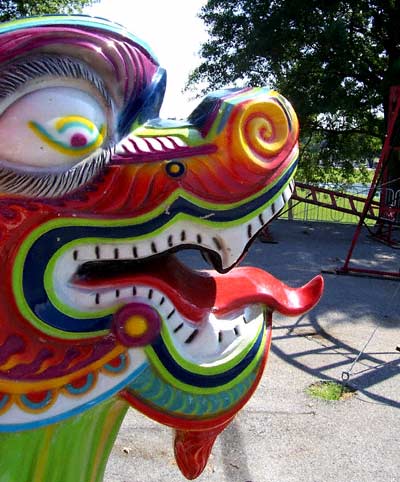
point(81, 390)
point(120, 368)
point(3, 402)
point(36, 405)
point(198, 380)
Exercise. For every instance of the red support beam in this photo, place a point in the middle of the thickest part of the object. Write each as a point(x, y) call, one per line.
point(300, 194)
point(380, 172)
point(367, 208)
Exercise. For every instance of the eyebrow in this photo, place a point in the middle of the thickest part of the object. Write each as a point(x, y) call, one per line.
point(19, 73)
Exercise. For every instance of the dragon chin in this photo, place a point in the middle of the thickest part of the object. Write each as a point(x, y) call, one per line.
point(239, 301)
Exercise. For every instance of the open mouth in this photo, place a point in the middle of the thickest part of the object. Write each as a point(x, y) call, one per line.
point(196, 315)
point(207, 316)
point(221, 244)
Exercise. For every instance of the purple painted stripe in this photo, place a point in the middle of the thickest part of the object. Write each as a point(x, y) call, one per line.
point(14, 344)
point(133, 71)
point(61, 368)
point(212, 115)
point(129, 64)
point(26, 370)
point(149, 157)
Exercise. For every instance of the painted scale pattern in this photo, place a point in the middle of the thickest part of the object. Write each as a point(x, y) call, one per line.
point(150, 388)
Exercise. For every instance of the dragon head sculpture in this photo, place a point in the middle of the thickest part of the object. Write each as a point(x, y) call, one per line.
point(96, 195)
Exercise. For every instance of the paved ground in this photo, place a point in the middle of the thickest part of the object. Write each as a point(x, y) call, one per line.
point(283, 435)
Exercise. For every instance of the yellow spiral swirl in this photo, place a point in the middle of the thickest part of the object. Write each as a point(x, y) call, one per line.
point(261, 129)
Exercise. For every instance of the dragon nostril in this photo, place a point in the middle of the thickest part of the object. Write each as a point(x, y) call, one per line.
point(175, 169)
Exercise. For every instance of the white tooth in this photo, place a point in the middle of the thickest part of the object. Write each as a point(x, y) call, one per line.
point(172, 318)
point(165, 309)
point(125, 293)
point(154, 144)
point(125, 251)
point(142, 145)
point(84, 300)
point(178, 141)
point(64, 271)
point(124, 147)
point(144, 249)
point(142, 291)
point(231, 253)
point(237, 320)
point(252, 312)
point(157, 297)
point(228, 337)
point(107, 251)
point(106, 299)
point(168, 144)
point(279, 203)
point(183, 333)
point(206, 344)
point(267, 214)
point(84, 253)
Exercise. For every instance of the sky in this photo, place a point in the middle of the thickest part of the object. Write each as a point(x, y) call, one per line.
point(174, 33)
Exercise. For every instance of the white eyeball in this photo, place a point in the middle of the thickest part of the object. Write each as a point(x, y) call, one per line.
point(52, 127)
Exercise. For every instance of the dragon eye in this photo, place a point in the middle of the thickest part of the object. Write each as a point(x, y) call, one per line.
point(52, 127)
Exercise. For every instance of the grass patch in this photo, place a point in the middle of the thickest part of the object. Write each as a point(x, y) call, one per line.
point(330, 390)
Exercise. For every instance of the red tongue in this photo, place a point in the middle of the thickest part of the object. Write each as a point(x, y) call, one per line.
point(252, 285)
point(195, 294)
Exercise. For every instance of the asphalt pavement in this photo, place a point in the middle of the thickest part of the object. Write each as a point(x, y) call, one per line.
point(283, 434)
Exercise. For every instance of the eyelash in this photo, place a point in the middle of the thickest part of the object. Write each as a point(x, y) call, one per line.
point(51, 184)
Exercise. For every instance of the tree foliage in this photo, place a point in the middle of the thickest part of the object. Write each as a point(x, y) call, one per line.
point(13, 9)
point(334, 60)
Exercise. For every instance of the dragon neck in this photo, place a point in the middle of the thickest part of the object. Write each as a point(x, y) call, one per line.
point(75, 450)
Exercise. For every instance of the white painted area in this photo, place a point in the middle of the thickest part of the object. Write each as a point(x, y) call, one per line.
point(105, 386)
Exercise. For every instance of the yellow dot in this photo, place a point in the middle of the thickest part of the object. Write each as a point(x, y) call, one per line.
point(136, 325)
point(174, 168)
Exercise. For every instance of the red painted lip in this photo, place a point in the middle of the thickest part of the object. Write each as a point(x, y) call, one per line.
point(196, 294)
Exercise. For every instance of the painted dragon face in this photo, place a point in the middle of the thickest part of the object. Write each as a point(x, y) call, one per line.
point(96, 195)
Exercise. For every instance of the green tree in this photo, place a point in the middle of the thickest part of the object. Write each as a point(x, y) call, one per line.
point(13, 9)
point(334, 60)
